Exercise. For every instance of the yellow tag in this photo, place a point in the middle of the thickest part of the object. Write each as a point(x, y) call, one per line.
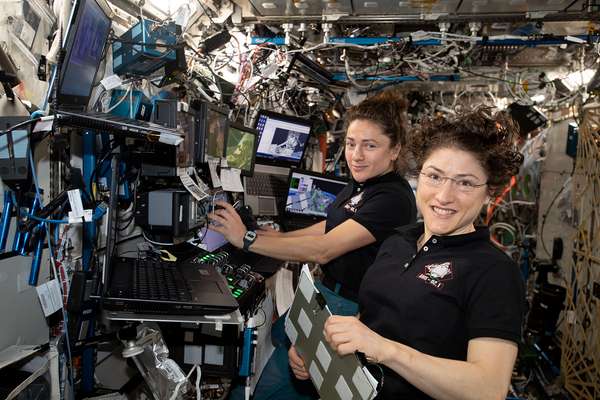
point(166, 256)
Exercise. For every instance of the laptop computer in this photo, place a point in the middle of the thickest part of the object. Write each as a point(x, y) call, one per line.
point(84, 45)
point(150, 285)
point(309, 195)
point(282, 141)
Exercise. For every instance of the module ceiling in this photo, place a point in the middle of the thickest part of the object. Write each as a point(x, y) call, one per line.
point(407, 10)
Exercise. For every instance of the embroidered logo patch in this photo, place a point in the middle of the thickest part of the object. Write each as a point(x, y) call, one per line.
point(436, 274)
point(353, 204)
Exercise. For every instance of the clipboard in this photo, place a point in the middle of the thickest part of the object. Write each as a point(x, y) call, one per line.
point(335, 377)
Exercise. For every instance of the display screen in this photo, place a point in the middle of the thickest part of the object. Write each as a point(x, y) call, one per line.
point(312, 195)
point(280, 138)
point(216, 130)
point(240, 149)
point(86, 49)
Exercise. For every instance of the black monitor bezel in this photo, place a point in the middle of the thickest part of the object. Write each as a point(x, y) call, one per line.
point(75, 19)
point(288, 118)
point(245, 129)
point(202, 140)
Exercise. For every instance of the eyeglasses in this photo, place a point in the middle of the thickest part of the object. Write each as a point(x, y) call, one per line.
point(464, 185)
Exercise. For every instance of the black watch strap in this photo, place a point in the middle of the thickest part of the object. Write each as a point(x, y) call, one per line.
point(249, 238)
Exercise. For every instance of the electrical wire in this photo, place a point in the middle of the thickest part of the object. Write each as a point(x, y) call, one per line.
point(48, 221)
point(207, 14)
point(55, 272)
point(176, 390)
point(19, 125)
point(154, 242)
point(198, 377)
point(545, 214)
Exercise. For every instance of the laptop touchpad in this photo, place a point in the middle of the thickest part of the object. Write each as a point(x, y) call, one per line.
point(205, 287)
point(266, 206)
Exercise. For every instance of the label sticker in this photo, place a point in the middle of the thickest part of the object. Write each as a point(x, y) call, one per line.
point(192, 354)
point(306, 288)
point(323, 356)
point(291, 332)
point(112, 81)
point(315, 374)
point(342, 388)
point(305, 323)
point(75, 202)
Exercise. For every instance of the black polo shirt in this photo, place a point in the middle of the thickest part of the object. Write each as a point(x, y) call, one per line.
point(380, 205)
point(454, 289)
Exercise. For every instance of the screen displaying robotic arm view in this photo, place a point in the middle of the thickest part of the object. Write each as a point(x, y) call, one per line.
point(281, 139)
point(240, 148)
point(311, 195)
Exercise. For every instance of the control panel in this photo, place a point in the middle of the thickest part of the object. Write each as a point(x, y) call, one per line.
point(246, 286)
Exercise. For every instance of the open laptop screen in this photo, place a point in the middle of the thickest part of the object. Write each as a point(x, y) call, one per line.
point(282, 138)
point(311, 194)
point(84, 47)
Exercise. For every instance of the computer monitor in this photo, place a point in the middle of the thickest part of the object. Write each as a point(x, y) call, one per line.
point(311, 193)
point(213, 123)
point(85, 42)
point(282, 139)
point(240, 148)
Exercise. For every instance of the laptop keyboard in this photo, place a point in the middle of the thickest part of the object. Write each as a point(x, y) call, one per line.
point(158, 280)
point(266, 185)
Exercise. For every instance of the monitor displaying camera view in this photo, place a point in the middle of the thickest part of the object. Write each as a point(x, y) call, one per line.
point(282, 137)
point(241, 148)
point(311, 194)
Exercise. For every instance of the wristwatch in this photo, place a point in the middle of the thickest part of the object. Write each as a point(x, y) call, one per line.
point(249, 238)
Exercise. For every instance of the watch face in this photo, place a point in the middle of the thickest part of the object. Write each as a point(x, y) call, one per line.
point(250, 235)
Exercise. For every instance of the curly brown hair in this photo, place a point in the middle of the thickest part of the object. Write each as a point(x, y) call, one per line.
point(491, 138)
point(388, 110)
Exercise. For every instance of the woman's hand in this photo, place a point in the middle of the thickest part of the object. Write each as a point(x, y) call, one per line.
point(297, 364)
point(228, 223)
point(347, 335)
